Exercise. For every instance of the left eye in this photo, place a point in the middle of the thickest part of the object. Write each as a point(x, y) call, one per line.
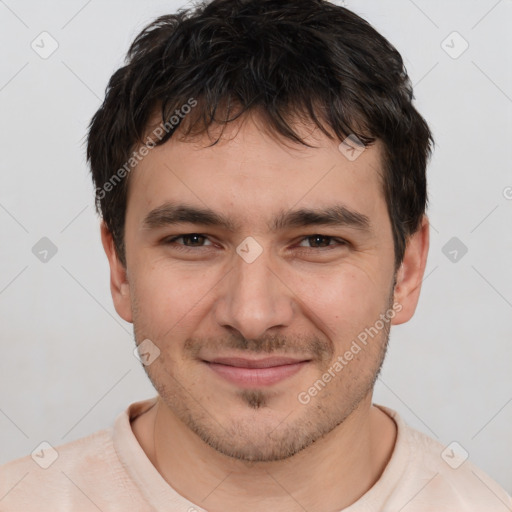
point(322, 240)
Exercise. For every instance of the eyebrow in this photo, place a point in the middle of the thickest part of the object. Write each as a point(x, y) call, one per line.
point(337, 215)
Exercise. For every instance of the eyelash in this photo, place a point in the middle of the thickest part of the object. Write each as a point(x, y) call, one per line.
point(171, 241)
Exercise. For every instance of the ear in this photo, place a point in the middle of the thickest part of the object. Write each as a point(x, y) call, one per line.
point(410, 274)
point(119, 286)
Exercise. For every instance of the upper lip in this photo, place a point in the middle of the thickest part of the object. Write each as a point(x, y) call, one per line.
point(266, 362)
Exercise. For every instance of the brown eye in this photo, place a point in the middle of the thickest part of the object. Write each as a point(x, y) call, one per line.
point(321, 242)
point(190, 240)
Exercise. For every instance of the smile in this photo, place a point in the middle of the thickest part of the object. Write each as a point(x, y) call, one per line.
point(252, 373)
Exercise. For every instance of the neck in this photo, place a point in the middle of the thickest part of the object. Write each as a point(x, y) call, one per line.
point(331, 474)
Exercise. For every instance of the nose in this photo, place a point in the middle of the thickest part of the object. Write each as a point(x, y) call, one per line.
point(254, 298)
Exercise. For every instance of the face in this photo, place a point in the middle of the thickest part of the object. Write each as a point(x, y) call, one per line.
point(264, 274)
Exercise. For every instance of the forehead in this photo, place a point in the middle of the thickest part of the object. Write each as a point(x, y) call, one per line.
point(256, 175)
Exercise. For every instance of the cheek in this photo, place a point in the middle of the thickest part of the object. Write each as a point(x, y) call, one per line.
point(345, 300)
point(169, 299)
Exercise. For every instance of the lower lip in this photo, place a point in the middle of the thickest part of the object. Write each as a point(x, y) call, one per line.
point(256, 377)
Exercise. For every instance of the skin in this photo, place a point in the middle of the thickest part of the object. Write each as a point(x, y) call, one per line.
point(231, 448)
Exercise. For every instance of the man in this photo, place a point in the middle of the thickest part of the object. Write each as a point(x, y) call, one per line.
point(260, 171)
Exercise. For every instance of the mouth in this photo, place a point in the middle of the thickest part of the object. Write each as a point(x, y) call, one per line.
point(251, 373)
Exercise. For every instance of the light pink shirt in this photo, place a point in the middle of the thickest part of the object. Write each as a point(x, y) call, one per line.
point(109, 471)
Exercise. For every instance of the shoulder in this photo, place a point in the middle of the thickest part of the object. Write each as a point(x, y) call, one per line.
point(444, 476)
point(87, 474)
point(60, 477)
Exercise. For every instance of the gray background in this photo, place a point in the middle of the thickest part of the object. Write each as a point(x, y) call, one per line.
point(67, 367)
